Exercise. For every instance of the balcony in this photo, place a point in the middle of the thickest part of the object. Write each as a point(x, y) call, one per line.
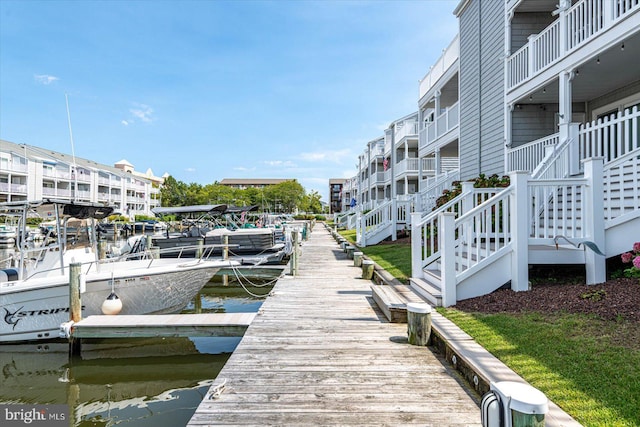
point(447, 59)
point(575, 27)
point(378, 178)
point(443, 124)
point(410, 165)
point(406, 130)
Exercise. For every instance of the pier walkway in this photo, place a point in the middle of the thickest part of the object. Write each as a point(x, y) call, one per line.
point(320, 352)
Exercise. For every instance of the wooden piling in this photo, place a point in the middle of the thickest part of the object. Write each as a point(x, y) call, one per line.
point(75, 304)
point(418, 323)
point(367, 269)
point(357, 258)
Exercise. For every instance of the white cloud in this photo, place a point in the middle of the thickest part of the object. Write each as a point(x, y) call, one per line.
point(190, 170)
point(280, 163)
point(125, 123)
point(45, 79)
point(143, 112)
point(334, 156)
point(243, 169)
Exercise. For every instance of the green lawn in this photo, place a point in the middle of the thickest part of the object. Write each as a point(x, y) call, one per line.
point(587, 366)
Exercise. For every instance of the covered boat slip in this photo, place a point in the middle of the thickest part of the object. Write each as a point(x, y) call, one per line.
point(319, 352)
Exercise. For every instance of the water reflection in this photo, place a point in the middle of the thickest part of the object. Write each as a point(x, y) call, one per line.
point(155, 382)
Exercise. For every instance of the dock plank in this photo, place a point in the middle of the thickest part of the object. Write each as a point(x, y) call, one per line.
point(321, 352)
point(165, 325)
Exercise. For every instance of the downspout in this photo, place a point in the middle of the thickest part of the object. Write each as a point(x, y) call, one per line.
point(479, 87)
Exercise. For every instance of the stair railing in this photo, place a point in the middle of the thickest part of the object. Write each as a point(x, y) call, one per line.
point(425, 248)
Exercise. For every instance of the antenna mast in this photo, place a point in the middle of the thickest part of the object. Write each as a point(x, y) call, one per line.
point(73, 152)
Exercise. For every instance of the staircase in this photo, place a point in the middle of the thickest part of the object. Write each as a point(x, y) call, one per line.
point(386, 219)
point(571, 209)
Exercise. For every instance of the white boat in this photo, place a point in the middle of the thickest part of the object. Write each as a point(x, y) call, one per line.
point(213, 224)
point(7, 235)
point(34, 296)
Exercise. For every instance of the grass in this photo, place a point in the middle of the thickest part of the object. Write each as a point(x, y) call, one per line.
point(587, 366)
point(395, 258)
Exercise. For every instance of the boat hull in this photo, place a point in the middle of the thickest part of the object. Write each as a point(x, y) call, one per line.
point(35, 311)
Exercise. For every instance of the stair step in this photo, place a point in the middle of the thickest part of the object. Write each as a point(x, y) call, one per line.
point(427, 289)
point(393, 299)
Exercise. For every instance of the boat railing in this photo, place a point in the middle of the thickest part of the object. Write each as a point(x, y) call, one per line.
point(203, 253)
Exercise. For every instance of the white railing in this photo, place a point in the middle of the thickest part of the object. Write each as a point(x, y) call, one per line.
point(545, 47)
point(428, 164)
point(372, 221)
point(447, 59)
point(434, 188)
point(444, 123)
point(424, 234)
point(17, 167)
point(621, 185)
point(378, 178)
point(409, 165)
point(584, 20)
point(556, 208)
point(518, 66)
point(527, 157)
point(611, 137)
point(557, 164)
point(482, 232)
point(574, 27)
point(19, 188)
point(405, 130)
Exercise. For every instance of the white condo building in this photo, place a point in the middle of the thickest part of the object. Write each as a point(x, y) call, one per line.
point(547, 94)
point(33, 173)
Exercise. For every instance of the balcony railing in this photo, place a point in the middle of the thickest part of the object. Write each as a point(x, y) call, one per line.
point(527, 157)
point(408, 166)
point(445, 122)
point(574, 27)
point(406, 130)
point(447, 59)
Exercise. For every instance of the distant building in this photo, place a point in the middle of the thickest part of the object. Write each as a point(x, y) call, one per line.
point(243, 184)
point(336, 185)
point(33, 173)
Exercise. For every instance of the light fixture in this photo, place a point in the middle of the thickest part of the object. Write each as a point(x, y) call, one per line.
point(622, 47)
point(577, 72)
point(530, 97)
point(544, 90)
point(598, 60)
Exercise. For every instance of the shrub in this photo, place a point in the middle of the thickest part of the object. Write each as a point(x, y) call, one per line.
point(632, 258)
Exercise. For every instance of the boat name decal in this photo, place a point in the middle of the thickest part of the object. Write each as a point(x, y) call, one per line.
point(13, 318)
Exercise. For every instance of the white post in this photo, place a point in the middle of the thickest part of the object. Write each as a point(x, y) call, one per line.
point(363, 230)
point(574, 148)
point(446, 238)
point(394, 219)
point(416, 245)
point(519, 217)
point(594, 220)
point(467, 201)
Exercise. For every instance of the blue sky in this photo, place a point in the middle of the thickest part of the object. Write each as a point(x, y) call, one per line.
point(207, 90)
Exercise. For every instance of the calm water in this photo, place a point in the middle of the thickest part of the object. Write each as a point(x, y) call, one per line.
point(127, 382)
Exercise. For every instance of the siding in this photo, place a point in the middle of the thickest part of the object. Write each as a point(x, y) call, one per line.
point(482, 89)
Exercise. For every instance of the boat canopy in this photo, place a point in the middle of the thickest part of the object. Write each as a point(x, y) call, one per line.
point(194, 210)
point(44, 208)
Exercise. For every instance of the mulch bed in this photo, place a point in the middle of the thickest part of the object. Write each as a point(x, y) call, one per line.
point(612, 300)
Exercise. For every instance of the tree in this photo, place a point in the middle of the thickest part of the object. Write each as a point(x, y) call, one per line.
point(311, 202)
point(173, 193)
point(284, 197)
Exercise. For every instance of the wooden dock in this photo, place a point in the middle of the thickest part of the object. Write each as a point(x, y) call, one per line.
point(165, 325)
point(320, 352)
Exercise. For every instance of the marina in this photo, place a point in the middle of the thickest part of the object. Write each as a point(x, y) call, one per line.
point(320, 352)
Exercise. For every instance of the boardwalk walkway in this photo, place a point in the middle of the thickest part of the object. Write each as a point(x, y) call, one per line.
point(321, 353)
